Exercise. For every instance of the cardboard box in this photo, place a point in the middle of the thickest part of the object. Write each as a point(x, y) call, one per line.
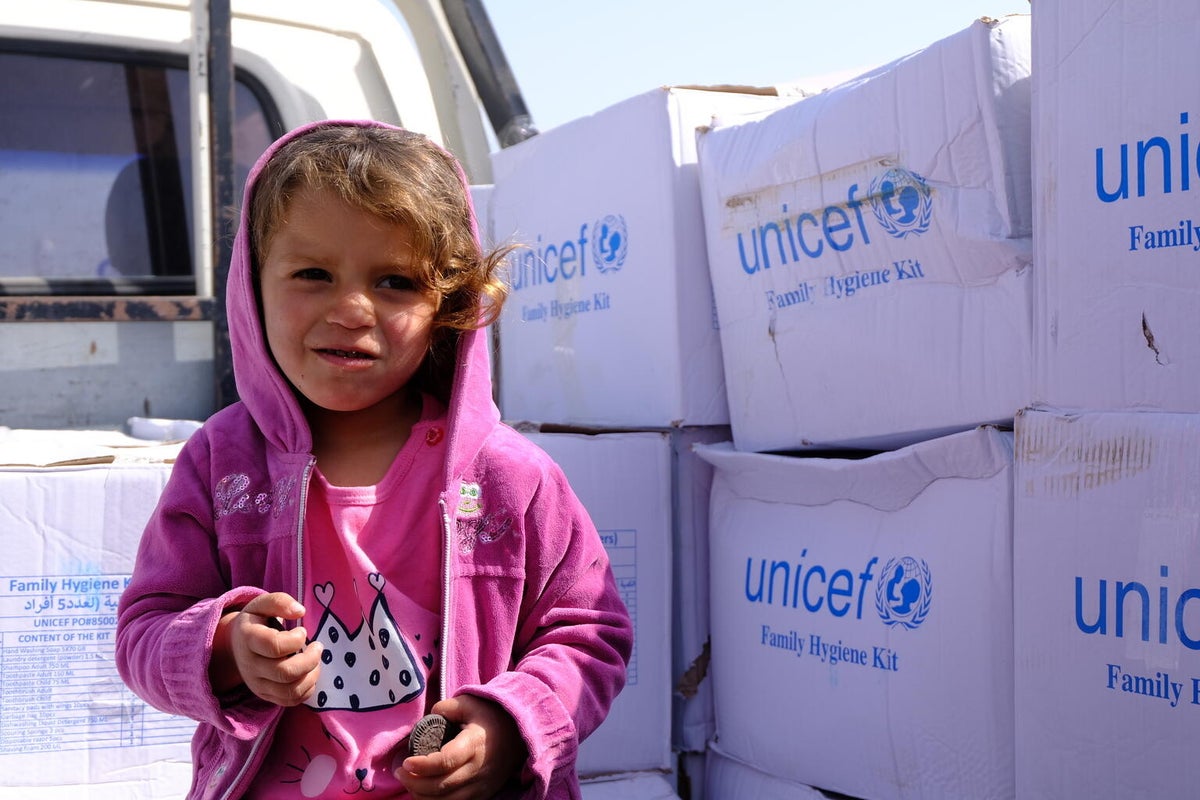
point(481, 202)
point(862, 617)
point(870, 250)
point(1117, 236)
point(729, 779)
point(629, 787)
point(610, 321)
point(689, 479)
point(73, 505)
point(1106, 605)
point(693, 722)
point(624, 481)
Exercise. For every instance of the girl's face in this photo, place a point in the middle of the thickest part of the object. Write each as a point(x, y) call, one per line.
point(343, 318)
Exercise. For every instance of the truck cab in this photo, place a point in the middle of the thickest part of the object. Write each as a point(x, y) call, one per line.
point(108, 304)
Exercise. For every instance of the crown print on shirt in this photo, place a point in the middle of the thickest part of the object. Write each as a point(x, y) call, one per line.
point(367, 669)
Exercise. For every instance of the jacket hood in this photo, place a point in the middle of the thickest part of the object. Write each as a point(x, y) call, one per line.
point(269, 397)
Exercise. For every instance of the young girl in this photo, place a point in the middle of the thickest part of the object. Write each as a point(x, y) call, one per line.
point(359, 541)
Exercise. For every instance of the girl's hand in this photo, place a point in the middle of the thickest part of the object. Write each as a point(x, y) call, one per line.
point(485, 756)
point(250, 647)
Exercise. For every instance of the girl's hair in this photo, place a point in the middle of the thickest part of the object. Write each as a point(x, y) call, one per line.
point(404, 178)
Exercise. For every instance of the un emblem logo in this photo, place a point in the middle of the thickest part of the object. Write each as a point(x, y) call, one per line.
point(902, 202)
point(903, 591)
point(610, 241)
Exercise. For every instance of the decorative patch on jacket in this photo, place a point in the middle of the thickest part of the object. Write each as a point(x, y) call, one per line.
point(232, 496)
point(475, 525)
point(470, 499)
point(369, 668)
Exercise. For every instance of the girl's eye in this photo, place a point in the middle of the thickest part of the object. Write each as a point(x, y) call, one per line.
point(311, 274)
point(400, 283)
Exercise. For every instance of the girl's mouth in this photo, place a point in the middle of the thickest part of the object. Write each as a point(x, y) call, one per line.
point(353, 354)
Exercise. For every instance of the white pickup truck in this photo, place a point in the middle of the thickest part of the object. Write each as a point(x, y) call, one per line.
point(110, 139)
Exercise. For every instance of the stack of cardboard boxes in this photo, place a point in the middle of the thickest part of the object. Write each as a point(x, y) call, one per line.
point(871, 256)
point(870, 251)
point(609, 356)
point(611, 326)
point(963, 615)
point(73, 505)
point(1106, 574)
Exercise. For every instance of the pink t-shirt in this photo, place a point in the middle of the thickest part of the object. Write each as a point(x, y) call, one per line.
point(372, 559)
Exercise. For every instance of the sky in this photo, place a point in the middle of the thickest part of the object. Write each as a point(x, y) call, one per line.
point(573, 58)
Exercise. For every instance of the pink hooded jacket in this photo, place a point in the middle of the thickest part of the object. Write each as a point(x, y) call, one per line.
point(532, 618)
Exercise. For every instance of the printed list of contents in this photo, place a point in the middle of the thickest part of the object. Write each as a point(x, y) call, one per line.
point(59, 686)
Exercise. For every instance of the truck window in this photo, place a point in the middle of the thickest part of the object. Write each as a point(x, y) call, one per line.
point(95, 172)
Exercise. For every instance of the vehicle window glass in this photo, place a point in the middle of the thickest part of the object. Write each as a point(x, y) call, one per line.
point(95, 174)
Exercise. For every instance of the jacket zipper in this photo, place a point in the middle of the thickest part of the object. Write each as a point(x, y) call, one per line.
point(305, 477)
point(443, 679)
point(304, 480)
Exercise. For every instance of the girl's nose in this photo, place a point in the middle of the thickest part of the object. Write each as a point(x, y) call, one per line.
point(352, 309)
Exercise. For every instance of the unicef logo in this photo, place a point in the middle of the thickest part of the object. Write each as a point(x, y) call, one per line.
point(901, 201)
point(903, 592)
point(610, 241)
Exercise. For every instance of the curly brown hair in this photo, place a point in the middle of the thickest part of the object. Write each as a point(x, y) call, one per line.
point(404, 178)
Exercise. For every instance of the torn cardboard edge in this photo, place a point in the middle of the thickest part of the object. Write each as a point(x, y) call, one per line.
point(887, 481)
point(36, 449)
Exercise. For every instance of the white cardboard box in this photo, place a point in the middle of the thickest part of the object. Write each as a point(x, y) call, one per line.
point(730, 779)
point(692, 715)
point(643, 786)
point(1117, 236)
point(624, 481)
point(72, 508)
point(870, 250)
point(689, 483)
point(1107, 605)
point(481, 202)
point(610, 321)
point(862, 617)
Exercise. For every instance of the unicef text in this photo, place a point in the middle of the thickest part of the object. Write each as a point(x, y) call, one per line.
point(1153, 165)
point(902, 593)
point(900, 205)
